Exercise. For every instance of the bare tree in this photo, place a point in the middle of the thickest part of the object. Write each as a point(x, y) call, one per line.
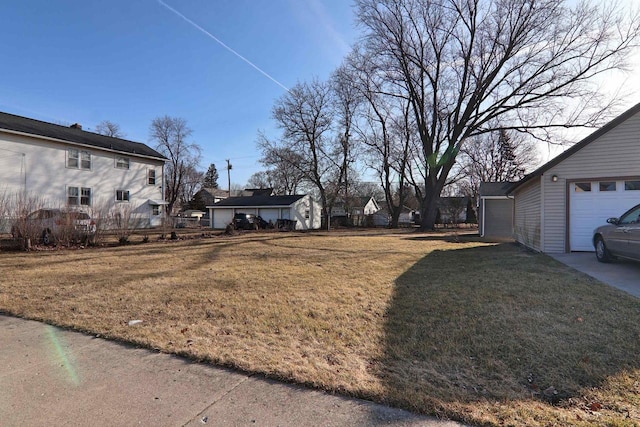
point(464, 65)
point(384, 130)
point(109, 128)
point(171, 134)
point(192, 182)
point(304, 115)
point(499, 156)
point(346, 101)
point(282, 174)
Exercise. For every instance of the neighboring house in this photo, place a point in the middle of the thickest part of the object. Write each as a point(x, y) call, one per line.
point(66, 166)
point(495, 210)
point(360, 209)
point(247, 192)
point(300, 208)
point(558, 206)
point(193, 213)
point(209, 196)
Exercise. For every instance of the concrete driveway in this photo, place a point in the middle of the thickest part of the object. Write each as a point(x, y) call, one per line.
point(624, 275)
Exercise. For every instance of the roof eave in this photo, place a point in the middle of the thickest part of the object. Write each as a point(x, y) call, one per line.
point(576, 147)
point(79, 144)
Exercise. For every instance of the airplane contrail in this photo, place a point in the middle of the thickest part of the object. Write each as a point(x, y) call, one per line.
point(221, 43)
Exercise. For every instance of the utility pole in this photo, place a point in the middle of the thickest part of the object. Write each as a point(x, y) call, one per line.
point(229, 166)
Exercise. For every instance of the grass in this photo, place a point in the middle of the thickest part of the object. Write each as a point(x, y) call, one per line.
point(447, 325)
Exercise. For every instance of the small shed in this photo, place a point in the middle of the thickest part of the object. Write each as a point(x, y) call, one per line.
point(299, 208)
point(495, 213)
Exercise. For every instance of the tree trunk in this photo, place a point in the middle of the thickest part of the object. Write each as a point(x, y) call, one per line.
point(429, 212)
point(395, 216)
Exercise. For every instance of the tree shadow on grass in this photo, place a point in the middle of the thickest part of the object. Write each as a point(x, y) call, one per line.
point(497, 324)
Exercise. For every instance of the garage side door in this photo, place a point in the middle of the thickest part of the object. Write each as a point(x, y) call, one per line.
point(592, 202)
point(498, 221)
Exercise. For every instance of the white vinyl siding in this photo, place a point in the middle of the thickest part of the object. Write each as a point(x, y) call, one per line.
point(39, 167)
point(528, 215)
point(612, 157)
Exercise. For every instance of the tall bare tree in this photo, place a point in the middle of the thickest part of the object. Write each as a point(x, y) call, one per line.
point(304, 116)
point(192, 182)
point(384, 129)
point(465, 64)
point(170, 135)
point(109, 128)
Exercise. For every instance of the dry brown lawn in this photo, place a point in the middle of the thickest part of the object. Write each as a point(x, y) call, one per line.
point(484, 333)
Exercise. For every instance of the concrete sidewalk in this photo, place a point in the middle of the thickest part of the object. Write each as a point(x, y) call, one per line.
point(51, 377)
point(624, 275)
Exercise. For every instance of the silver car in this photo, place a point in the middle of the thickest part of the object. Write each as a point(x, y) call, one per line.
point(619, 238)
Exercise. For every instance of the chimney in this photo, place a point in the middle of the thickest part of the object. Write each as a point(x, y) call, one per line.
point(76, 126)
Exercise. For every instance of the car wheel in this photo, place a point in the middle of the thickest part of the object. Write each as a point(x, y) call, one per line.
point(46, 237)
point(602, 253)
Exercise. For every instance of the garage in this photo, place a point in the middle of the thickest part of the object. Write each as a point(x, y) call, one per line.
point(558, 206)
point(301, 209)
point(592, 202)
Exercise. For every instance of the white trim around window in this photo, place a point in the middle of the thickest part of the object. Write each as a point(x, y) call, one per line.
point(78, 159)
point(123, 162)
point(151, 176)
point(78, 196)
point(122, 196)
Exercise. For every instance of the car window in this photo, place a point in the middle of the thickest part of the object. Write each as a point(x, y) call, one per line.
point(79, 215)
point(632, 217)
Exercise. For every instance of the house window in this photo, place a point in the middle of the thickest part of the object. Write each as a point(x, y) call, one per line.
point(85, 196)
point(73, 158)
point(608, 186)
point(306, 213)
point(77, 159)
point(582, 187)
point(85, 160)
point(78, 196)
point(73, 196)
point(151, 177)
point(155, 210)
point(122, 195)
point(122, 162)
point(631, 185)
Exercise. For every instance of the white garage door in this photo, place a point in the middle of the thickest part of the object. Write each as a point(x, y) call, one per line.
point(222, 218)
point(592, 202)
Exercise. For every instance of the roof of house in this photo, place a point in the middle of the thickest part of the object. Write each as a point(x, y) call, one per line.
point(251, 201)
point(257, 192)
point(215, 192)
point(494, 188)
point(74, 135)
point(577, 147)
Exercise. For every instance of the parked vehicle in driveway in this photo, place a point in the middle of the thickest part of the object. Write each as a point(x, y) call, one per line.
point(244, 221)
point(54, 224)
point(619, 238)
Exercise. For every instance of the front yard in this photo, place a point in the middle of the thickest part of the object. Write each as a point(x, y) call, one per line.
point(479, 332)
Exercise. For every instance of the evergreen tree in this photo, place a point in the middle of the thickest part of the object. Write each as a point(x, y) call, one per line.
point(211, 177)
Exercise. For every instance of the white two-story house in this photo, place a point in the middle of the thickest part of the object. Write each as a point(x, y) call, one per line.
point(71, 168)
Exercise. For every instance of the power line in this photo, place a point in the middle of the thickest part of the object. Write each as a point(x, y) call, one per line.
point(217, 40)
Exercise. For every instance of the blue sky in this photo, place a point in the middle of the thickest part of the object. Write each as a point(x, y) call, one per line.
point(131, 61)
